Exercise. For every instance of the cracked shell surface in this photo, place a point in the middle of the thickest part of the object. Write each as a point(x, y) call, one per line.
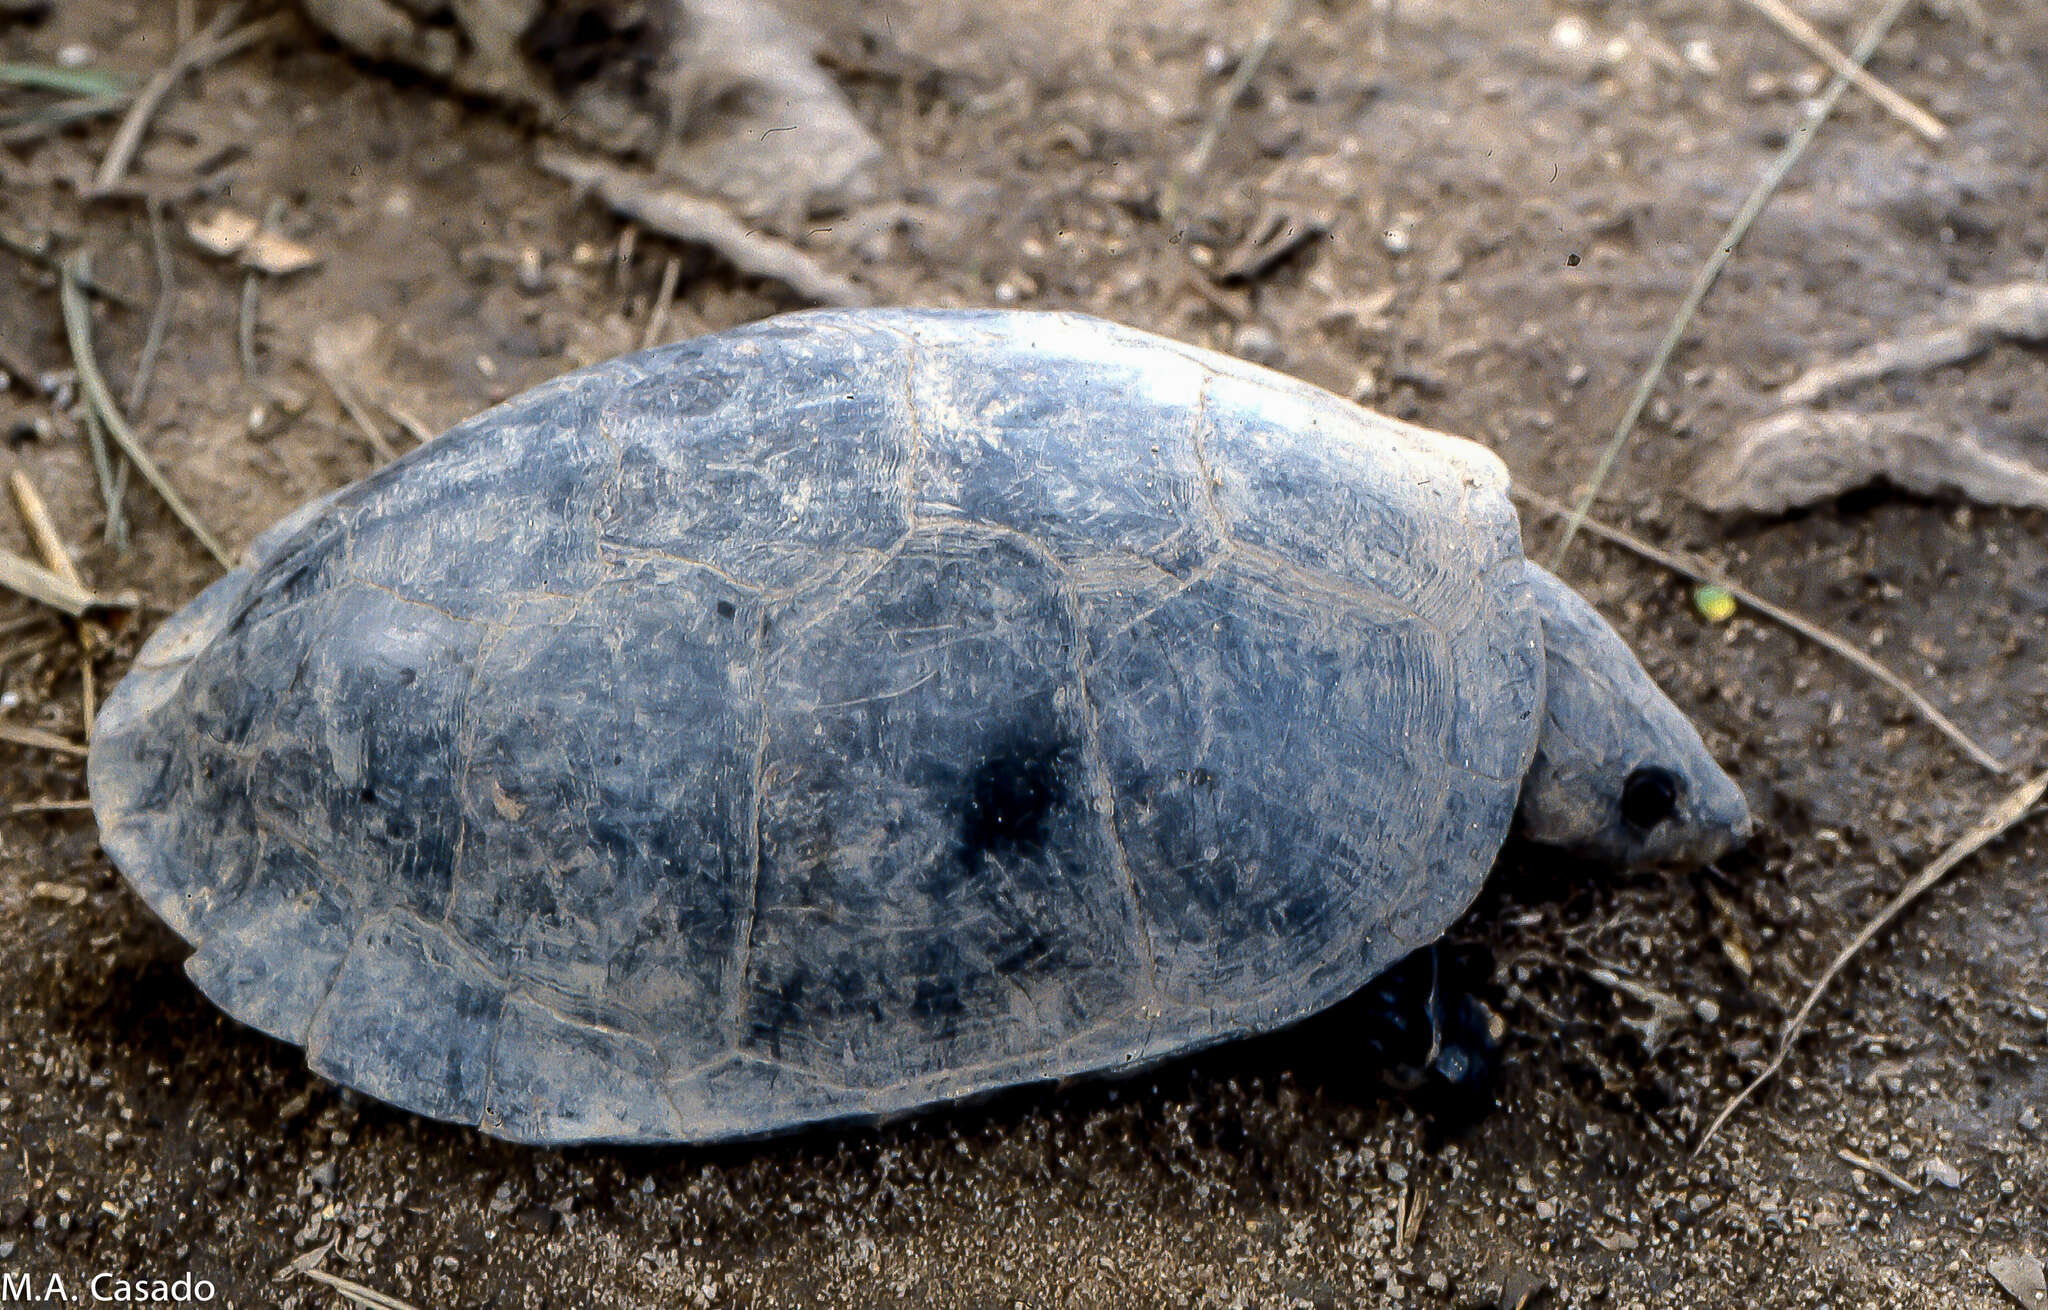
point(835, 716)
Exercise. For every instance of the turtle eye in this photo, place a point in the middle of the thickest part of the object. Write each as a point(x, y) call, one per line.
point(1648, 797)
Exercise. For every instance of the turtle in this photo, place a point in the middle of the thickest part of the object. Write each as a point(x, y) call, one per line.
point(859, 711)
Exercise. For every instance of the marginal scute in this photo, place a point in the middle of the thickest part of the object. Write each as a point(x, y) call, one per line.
point(554, 1078)
point(411, 1019)
point(269, 952)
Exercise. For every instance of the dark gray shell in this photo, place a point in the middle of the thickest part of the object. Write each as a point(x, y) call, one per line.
point(850, 712)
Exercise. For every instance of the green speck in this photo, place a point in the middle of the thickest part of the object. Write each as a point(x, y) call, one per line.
point(1714, 603)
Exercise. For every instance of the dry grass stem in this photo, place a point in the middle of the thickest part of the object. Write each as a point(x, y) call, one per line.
point(1278, 19)
point(419, 431)
point(380, 447)
point(159, 316)
point(26, 578)
point(1864, 1162)
point(47, 807)
point(356, 1292)
point(78, 328)
point(657, 317)
point(128, 139)
point(2015, 806)
point(37, 739)
point(1700, 572)
point(113, 484)
point(1817, 44)
point(1710, 272)
point(35, 516)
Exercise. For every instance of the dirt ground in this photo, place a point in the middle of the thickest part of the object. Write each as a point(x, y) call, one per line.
point(1513, 199)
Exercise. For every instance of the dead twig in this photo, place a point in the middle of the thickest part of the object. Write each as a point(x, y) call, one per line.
point(1710, 272)
point(355, 409)
point(21, 126)
point(657, 317)
point(1817, 45)
point(1854, 1160)
point(26, 578)
point(356, 1292)
point(113, 484)
point(35, 515)
point(39, 255)
point(159, 316)
point(1278, 19)
point(2015, 806)
point(692, 218)
point(419, 431)
point(1700, 572)
point(47, 807)
point(37, 739)
point(78, 328)
point(212, 44)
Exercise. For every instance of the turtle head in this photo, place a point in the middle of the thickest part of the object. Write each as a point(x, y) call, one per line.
point(1620, 774)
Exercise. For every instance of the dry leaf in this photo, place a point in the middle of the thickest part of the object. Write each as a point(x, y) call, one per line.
point(229, 232)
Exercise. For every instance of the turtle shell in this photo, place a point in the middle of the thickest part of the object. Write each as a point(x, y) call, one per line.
point(830, 717)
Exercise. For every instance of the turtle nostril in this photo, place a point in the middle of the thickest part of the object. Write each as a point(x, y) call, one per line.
point(1648, 797)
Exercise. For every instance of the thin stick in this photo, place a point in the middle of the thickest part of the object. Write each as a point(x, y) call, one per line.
point(419, 431)
point(26, 578)
point(78, 327)
point(19, 127)
point(356, 1292)
point(37, 739)
point(57, 558)
point(160, 316)
point(1700, 572)
point(1817, 44)
point(41, 257)
point(1248, 65)
point(113, 486)
point(35, 516)
point(151, 98)
point(355, 409)
point(2016, 805)
point(1724, 249)
point(47, 807)
point(657, 319)
point(1850, 1157)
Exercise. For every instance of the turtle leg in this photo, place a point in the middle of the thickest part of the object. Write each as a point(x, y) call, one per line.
point(1422, 1029)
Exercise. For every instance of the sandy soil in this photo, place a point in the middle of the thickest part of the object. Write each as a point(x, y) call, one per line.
point(1510, 216)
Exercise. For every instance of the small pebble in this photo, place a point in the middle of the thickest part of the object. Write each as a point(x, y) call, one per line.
point(75, 55)
point(1259, 344)
point(1936, 1170)
point(2030, 1118)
